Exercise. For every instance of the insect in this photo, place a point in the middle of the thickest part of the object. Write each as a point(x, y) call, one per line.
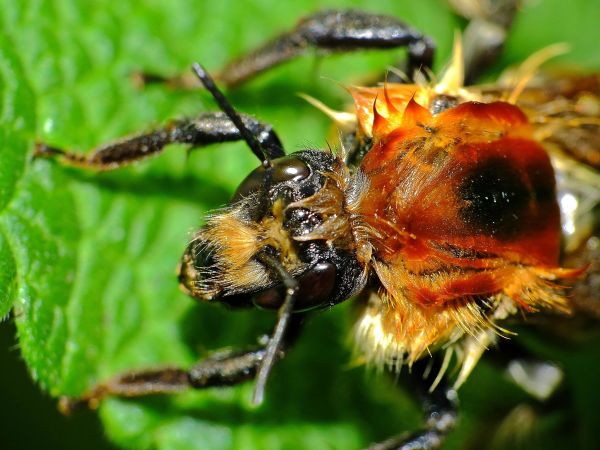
point(313, 229)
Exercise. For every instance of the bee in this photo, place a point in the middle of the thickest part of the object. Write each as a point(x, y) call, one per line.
point(440, 214)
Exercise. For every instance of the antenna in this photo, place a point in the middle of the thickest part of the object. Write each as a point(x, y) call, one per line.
point(226, 107)
point(283, 320)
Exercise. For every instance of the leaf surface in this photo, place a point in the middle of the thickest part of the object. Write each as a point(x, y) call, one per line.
point(87, 260)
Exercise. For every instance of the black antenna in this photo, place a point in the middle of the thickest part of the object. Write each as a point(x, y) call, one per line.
point(283, 319)
point(226, 107)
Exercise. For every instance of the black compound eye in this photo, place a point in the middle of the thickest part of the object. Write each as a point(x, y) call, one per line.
point(287, 168)
point(315, 288)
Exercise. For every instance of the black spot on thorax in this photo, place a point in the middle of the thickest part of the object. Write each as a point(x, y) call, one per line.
point(496, 198)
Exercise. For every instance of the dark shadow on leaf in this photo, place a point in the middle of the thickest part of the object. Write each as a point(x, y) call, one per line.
point(206, 328)
point(187, 187)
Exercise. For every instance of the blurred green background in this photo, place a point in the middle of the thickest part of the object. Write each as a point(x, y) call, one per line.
point(89, 261)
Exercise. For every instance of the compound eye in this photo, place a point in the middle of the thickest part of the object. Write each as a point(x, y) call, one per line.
point(315, 289)
point(287, 168)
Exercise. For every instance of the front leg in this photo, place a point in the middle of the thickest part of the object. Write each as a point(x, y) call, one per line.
point(225, 368)
point(209, 128)
point(333, 31)
point(326, 31)
point(220, 369)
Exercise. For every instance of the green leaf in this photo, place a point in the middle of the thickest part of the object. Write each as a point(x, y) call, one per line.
point(87, 260)
point(18, 124)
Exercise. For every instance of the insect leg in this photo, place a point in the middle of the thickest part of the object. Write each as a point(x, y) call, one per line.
point(209, 128)
point(217, 370)
point(440, 408)
point(225, 368)
point(333, 31)
point(486, 32)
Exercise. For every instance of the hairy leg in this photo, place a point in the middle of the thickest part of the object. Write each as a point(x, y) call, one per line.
point(333, 31)
point(225, 368)
point(329, 31)
point(209, 128)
